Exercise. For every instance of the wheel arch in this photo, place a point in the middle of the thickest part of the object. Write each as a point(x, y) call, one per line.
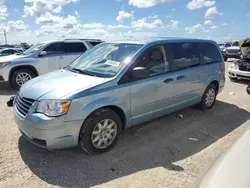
point(30, 67)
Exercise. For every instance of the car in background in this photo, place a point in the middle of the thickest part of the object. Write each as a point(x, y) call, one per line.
point(99, 94)
point(231, 169)
point(240, 69)
point(232, 51)
point(42, 58)
point(10, 51)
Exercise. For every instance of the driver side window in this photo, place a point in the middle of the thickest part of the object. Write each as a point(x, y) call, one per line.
point(56, 48)
point(154, 60)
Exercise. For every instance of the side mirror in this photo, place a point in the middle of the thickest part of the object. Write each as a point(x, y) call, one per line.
point(43, 53)
point(140, 72)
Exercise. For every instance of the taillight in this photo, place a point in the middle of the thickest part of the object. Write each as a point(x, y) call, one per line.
point(222, 66)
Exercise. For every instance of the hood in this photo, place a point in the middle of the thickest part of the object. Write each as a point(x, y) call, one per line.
point(233, 48)
point(58, 84)
point(11, 58)
point(245, 47)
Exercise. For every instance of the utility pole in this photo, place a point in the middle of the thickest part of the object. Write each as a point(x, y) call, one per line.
point(4, 31)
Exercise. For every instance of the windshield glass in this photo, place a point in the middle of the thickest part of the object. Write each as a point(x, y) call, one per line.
point(34, 48)
point(227, 45)
point(221, 45)
point(105, 60)
point(235, 44)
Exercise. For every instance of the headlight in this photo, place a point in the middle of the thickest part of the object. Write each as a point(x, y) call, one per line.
point(2, 65)
point(234, 66)
point(53, 107)
point(224, 50)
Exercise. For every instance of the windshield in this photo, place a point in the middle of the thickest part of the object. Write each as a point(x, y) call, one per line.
point(227, 45)
point(105, 60)
point(221, 45)
point(34, 48)
point(235, 44)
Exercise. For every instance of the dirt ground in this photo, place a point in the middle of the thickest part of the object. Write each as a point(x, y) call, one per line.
point(167, 152)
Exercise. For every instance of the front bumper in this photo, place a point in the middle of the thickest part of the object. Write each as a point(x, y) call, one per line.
point(236, 73)
point(49, 133)
point(3, 75)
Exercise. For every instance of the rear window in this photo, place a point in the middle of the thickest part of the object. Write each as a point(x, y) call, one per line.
point(210, 53)
point(94, 43)
point(185, 55)
point(75, 47)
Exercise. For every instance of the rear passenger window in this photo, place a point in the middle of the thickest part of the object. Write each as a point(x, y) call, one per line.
point(210, 53)
point(94, 43)
point(185, 55)
point(75, 47)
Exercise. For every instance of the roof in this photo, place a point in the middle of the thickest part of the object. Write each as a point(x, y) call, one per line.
point(162, 40)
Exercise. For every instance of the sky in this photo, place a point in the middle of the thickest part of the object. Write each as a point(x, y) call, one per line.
point(32, 21)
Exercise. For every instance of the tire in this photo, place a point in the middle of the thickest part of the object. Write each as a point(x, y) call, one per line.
point(30, 74)
point(204, 105)
point(225, 58)
point(233, 79)
point(90, 125)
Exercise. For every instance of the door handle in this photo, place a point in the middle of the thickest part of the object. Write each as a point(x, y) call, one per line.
point(62, 57)
point(180, 77)
point(168, 80)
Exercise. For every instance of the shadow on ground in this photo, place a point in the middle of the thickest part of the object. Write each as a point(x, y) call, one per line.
point(243, 82)
point(6, 89)
point(159, 143)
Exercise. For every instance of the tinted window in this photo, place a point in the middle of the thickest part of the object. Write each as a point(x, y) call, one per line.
point(228, 45)
point(235, 44)
point(94, 43)
point(210, 53)
point(185, 55)
point(75, 47)
point(154, 59)
point(8, 52)
point(55, 48)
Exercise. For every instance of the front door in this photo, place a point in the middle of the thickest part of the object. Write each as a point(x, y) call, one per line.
point(55, 55)
point(153, 96)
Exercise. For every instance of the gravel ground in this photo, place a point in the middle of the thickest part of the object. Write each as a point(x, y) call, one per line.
point(167, 152)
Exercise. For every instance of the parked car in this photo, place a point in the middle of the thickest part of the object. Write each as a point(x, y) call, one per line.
point(10, 51)
point(42, 58)
point(240, 69)
point(232, 51)
point(114, 86)
point(231, 169)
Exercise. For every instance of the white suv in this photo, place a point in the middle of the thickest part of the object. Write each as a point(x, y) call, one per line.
point(42, 58)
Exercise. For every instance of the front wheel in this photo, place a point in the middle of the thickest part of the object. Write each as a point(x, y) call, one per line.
point(225, 58)
point(20, 77)
point(100, 131)
point(209, 97)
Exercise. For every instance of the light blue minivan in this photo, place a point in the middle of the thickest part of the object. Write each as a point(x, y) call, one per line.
point(114, 86)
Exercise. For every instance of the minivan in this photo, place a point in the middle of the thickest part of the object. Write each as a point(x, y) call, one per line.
point(116, 85)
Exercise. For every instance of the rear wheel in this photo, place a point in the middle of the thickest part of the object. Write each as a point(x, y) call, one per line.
point(20, 77)
point(209, 97)
point(100, 131)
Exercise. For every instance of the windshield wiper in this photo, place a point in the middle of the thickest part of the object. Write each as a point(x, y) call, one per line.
point(82, 72)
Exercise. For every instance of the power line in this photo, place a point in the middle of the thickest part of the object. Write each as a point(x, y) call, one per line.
point(5, 36)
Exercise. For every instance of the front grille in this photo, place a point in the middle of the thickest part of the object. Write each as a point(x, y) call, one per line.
point(244, 68)
point(233, 51)
point(23, 105)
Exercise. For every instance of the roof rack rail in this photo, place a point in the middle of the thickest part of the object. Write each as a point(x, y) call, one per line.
point(82, 39)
